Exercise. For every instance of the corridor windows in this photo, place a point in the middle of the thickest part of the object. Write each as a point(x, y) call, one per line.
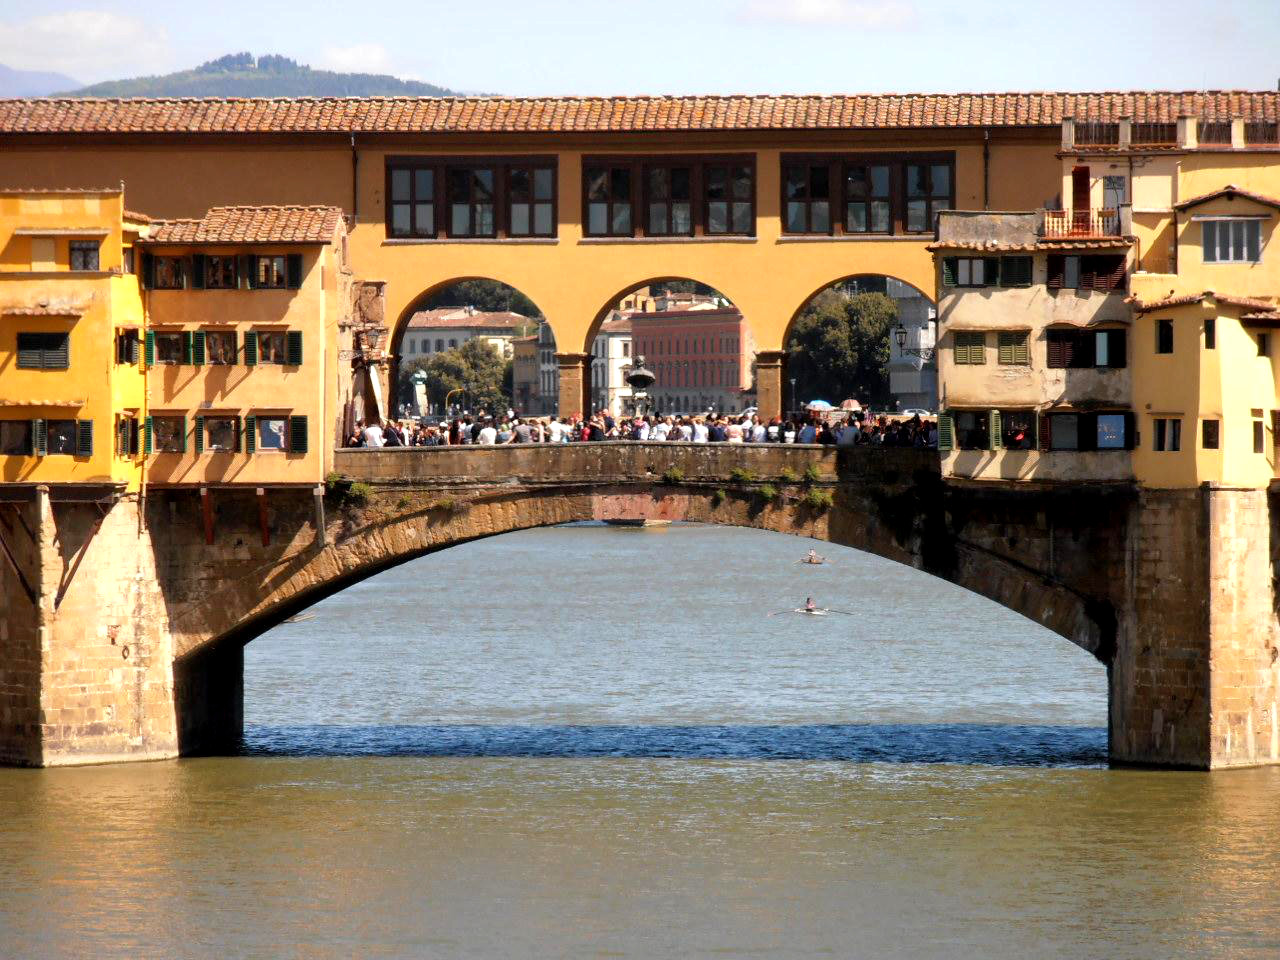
point(669, 202)
point(1166, 434)
point(455, 198)
point(214, 272)
point(859, 195)
point(730, 197)
point(1232, 240)
point(268, 273)
point(668, 198)
point(608, 200)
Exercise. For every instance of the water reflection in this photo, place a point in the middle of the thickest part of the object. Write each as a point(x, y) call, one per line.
point(967, 744)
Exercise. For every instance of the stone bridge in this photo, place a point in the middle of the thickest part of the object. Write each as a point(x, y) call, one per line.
point(123, 620)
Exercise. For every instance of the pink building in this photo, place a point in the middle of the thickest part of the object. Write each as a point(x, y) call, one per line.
point(700, 356)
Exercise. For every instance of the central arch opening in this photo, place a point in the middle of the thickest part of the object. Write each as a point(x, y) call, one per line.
point(589, 640)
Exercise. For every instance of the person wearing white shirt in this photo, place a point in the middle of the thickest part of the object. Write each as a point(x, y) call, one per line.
point(488, 435)
point(660, 430)
point(700, 432)
point(373, 435)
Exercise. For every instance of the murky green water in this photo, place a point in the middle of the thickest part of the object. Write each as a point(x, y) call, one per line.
point(592, 742)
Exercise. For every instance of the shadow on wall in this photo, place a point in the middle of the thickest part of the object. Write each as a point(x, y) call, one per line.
point(979, 744)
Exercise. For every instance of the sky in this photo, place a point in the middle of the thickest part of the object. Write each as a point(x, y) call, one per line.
point(559, 47)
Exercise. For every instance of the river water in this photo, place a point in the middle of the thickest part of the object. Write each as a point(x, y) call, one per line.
point(595, 742)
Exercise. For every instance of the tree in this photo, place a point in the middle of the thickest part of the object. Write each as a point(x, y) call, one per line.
point(476, 368)
point(840, 347)
point(488, 296)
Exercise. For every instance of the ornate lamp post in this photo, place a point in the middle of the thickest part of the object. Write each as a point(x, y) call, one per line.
point(641, 379)
point(900, 335)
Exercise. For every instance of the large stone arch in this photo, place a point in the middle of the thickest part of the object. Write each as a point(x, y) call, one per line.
point(931, 296)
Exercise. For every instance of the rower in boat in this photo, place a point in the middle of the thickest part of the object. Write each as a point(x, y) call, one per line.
point(812, 557)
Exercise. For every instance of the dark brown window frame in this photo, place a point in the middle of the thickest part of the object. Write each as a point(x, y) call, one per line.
point(700, 204)
point(839, 164)
point(440, 167)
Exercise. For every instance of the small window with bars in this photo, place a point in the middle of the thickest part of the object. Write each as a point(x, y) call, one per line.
point(1214, 132)
point(84, 255)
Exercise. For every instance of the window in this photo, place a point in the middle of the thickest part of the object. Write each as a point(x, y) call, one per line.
point(214, 272)
point(729, 192)
point(439, 344)
point(169, 347)
point(1015, 271)
point(271, 346)
point(412, 207)
point(1018, 429)
point(126, 436)
point(1259, 437)
point(269, 434)
point(669, 201)
point(84, 255)
point(471, 199)
point(530, 201)
point(15, 438)
point(1064, 431)
point(126, 346)
point(970, 348)
point(1104, 273)
point(1113, 192)
point(167, 273)
point(452, 343)
point(608, 201)
point(1232, 241)
point(1210, 433)
point(808, 197)
point(127, 260)
point(220, 347)
point(973, 430)
point(1168, 434)
point(1164, 336)
point(44, 351)
point(928, 190)
point(489, 197)
point(1264, 344)
point(970, 271)
point(1080, 349)
point(867, 198)
point(166, 434)
point(1112, 431)
point(1210, 333)
point(1012, 348)
point(1216, 132)
point(1087, 431)
point(269, 273)
point(217, 434)
point(60, 437)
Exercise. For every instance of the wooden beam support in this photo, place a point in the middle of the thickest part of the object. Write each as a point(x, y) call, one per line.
point(262, 516)
point(206, 504)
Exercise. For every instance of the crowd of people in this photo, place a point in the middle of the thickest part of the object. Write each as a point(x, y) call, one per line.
point(485, 430)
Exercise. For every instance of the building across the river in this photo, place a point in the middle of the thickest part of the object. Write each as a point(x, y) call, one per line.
point(611, 361)
point(700, 357)
point(445, 328)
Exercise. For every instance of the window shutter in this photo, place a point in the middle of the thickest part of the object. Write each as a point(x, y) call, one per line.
point(1130, 432)
point(293, 270)
point(1015, 271)
point(946, 433)
point(991, 272)
point(148, 271)
point(1209, 239)
point(199, 434)
point(239, 435)
point(132, 344)
point(995, 438)
point(39, 437)
point(146, 436)
point(197, 271)
point(187, 347)
point(1005, 343)
point(1057, 268)
point(149, 349)
point(1089, 279)
point(298, 434)
point(978, 348)
point(949, 271)
point(57, 352)
point(250, 348)
point(1117, 344)
point(84, 438)
point(30, 352)
point(1022, 350)
point(182, 434)
point(1116, 277)
point(250, 434)
point(249, 270)
point(1044, 438)
point(197, 348)
point(293, 348)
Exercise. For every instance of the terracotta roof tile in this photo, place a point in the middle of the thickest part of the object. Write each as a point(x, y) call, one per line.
point(1230, 190)
point(458, 318)
point(1042, 246)
point(1244, 303)
point(268, 224)
point(618, 114)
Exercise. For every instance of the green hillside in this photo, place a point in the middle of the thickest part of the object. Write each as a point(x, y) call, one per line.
point(243, 75)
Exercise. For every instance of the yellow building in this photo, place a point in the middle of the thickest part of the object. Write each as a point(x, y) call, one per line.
point(71, 380)
point(245, 307)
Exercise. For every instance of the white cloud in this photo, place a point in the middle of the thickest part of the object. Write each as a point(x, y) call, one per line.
point(357, 58)
point(868, 14)
point(89, 45)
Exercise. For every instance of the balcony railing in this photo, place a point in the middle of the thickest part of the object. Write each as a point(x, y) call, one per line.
point(1081, 223)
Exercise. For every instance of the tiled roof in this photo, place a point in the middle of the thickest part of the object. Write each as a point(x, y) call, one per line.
point(134, 217)
point(607, 114)
point(286, 224)
point(1244, 303)
point(1042, 246)
point(461, 318)
point(1230, 191)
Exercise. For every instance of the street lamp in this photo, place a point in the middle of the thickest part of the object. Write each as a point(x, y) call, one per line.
point(900, 335)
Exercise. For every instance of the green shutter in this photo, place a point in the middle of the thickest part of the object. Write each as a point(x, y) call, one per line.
point(197, 271)
point(250, 348)
point(84, 438)
point(182, 434)
point(298, 434)
point(293, 348)
point(949, 271)
point(946, 433)
point(1004, 343)
point(250, 434)
point(39, 438)
point(199, 434)
point(995, 440)
point(146, 436)
point(1022, 350)
point(293, 270)
point(197, 348)
point(186, 347)
point(149, 350)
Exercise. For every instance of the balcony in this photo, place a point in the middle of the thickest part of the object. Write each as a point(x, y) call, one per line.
point(1082, 223)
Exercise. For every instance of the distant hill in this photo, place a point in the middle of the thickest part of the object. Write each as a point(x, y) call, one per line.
point(243, 75)
point(32, 83)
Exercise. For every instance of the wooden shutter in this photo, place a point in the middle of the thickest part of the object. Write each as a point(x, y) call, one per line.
point(250, 348)
point(197, 271)
point(293, 348)
point(57, 351)
point(995, 436)
point(298, 434)
point(147, 432)
point(199, 434)
point(1005, 346)
point(1015, 271)
point(1044, 433)
point(133, 436)
point(946, 433)
point(991, 272)
point(149, 349)
point(1057, 270)
point(30, 350)
point(197, 348)
point(1022, 349)
point(949, 271)
point(1013, 348)
point(84, 438)
point(39, 437)
point(293, 270)
point(250, 434)
point(187, 347)
point(1117, 349)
